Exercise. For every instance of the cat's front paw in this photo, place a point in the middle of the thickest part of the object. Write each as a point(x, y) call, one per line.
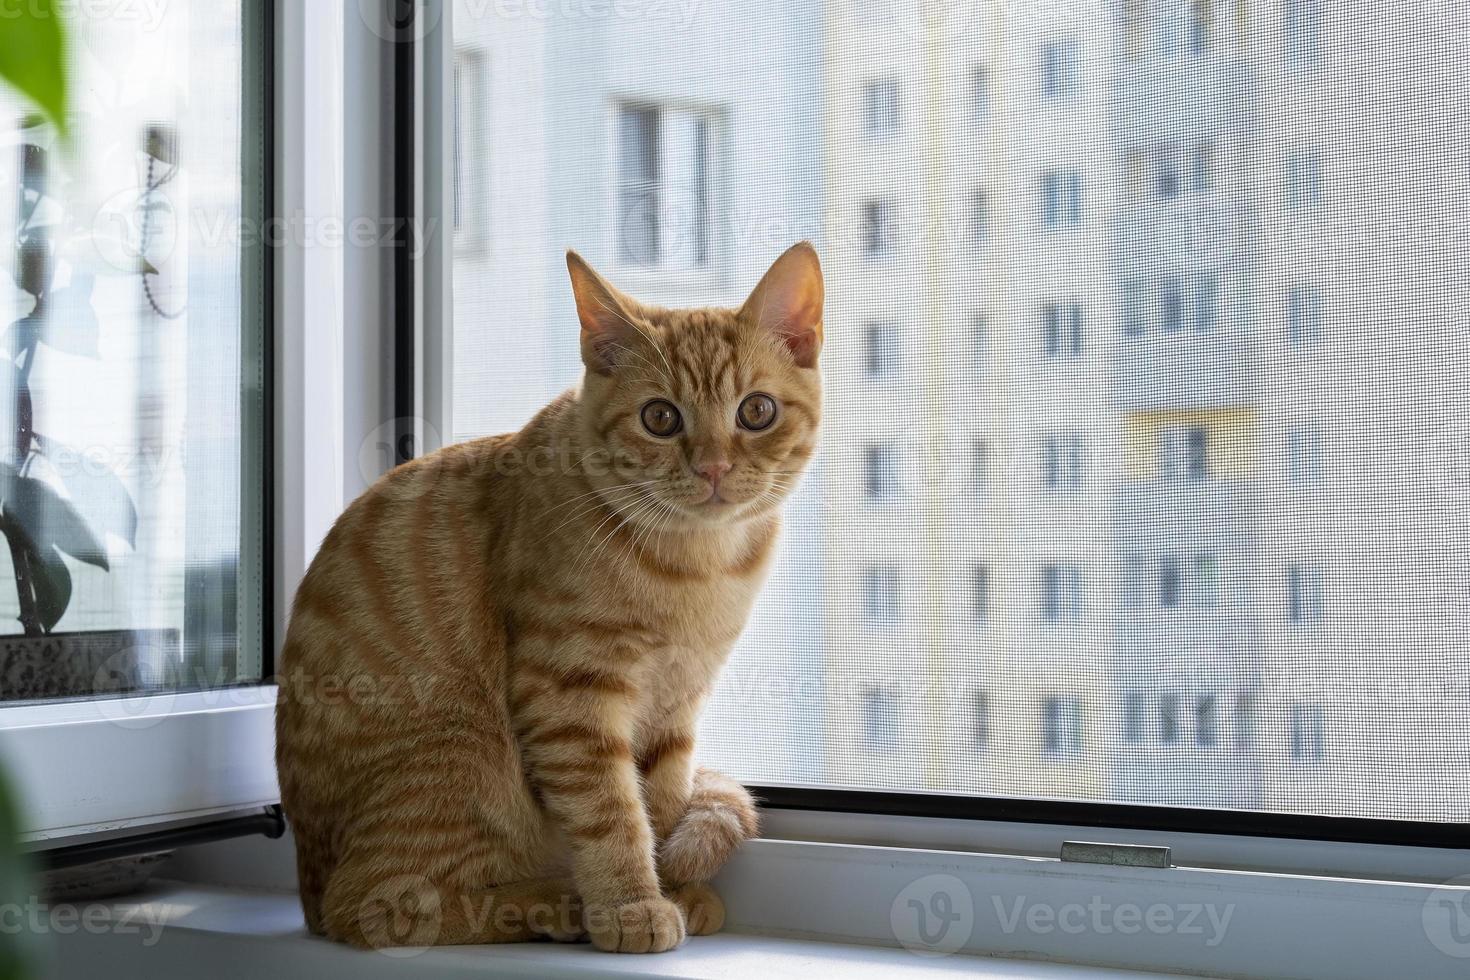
point(704, 912)
point(653, 925)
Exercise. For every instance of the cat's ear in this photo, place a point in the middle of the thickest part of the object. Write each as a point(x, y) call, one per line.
point(788, 302)
point(607, 316)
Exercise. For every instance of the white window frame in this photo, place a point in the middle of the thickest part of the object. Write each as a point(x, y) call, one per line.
point(115, 766)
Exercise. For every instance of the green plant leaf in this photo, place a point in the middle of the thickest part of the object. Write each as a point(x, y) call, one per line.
point(95, 491)
point(48, 519)
point(33, 57)
point(52, 582)
point(20, 952)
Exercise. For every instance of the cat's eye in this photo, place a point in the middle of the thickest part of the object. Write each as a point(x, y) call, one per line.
point(757, 412)
point(661, 418)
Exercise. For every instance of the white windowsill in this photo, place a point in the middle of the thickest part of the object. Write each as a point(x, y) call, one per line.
point(841, 909)
point(175, 928)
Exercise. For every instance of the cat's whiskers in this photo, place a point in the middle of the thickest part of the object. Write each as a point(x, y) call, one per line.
point(652, 531)
point(788, 486)
point(624, 519)
point(627, 490)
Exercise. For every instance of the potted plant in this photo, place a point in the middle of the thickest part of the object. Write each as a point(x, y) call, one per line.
point(66, 507)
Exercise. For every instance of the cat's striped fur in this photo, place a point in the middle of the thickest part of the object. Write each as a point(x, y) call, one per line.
point(496, 662)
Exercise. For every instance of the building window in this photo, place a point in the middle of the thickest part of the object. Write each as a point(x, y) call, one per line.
point(1135, 307)
point(878, 229)
point(980, 593)
point(639, 185)
point(1202, 164)
point(1302, 23)
point(1061, 329)
point(979, 94)
point(1135, 717)
point(1184, 454)
point(978, 225)
point(1171, 304)
point(1061, 593)
point(1168, 175)
point(880, 108)
point(1303, 593)
point(880, 720)
point(981, 466)
point(1169, 719)
point(882, 350)
point(664, 187)
point(1303, 180)
point(1303, 315)
point(1059, 73)
point(1062, 460)
point(1201, 26)
point(880, 594)
point(981, 718)
point(1061, 199)
point(1169, 586)
point(1307, 732)
point(1061, 725)
point(880, 472)
point(1304, 454)
point(1206, 722)
point(1206, 302)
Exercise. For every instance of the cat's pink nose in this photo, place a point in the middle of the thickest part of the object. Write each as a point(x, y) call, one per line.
point(713, 472)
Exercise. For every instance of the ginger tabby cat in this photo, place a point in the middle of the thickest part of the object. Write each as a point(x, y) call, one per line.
point(495, 665)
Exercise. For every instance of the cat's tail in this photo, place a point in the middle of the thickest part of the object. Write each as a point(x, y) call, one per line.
point(721, 816)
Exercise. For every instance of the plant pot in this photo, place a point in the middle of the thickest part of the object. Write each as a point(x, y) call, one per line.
point(71, 665)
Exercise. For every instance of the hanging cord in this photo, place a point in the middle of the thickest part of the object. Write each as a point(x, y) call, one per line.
point(149, 188)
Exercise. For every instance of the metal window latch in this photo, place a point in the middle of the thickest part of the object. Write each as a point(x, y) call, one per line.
point(1120, 855)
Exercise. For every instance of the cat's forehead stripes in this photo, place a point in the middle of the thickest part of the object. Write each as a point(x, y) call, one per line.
point(706, 352)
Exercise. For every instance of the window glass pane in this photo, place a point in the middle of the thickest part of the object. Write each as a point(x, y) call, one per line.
point(131, 412)
point(1152, 311)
